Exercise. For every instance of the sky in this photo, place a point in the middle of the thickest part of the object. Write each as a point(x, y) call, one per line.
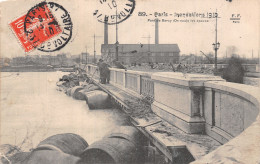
point(242, 38)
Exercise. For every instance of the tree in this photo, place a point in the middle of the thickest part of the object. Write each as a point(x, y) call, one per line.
point(234, 71)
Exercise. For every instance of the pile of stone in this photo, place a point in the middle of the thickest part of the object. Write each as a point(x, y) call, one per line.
point(196, 69)
point(80, 87)
point(185, 68)
point(70, 80)
point(139, 107)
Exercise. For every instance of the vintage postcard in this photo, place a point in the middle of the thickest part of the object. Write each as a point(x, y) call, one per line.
point(129, 81)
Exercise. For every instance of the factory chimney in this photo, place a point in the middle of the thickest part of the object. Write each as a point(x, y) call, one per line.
point(105, 33)
point(156, 32)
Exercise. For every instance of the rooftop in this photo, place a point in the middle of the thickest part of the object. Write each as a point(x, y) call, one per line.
point(141, 48)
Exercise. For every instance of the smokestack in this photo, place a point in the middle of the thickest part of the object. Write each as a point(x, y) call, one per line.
point(105, 33)
point(156, 32)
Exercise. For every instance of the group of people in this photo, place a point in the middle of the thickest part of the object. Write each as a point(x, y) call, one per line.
point(104, 71)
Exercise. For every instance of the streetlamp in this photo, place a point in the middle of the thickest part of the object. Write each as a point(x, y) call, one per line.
point(216, 47)
point(94, 60)
point(216, 44)
point(117, 43)
point(86, 54)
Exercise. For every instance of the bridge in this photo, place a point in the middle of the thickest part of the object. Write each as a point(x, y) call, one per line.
point(202, 117)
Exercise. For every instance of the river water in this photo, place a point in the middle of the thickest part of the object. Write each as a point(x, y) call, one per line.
point(32, 110)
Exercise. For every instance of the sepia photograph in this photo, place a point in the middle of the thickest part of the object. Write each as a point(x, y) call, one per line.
point(129, 81)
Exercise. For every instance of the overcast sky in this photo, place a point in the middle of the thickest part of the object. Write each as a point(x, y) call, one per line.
point(191, 37)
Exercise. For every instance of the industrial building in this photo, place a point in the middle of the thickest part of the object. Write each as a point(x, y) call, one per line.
point(140, 53)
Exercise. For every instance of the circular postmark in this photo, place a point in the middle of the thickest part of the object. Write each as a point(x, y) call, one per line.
point(48, 26)
point(114, 11)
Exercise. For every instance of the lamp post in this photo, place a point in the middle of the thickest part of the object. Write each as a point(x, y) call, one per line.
point(216, 44)
point(95, 36)
point(117, 43)
point(216, 47)
point(86, 55)
point(149, 51)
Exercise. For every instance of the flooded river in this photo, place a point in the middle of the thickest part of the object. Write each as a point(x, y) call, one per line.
point(32, 110)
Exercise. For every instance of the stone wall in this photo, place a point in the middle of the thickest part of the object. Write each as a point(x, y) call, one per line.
point(235, 109)
point(178, 99)
point(228, 111)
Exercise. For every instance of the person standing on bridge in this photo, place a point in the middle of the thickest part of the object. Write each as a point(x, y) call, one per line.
point(104, 71)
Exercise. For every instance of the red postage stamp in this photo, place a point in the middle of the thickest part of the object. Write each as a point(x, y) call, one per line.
point(36, 27)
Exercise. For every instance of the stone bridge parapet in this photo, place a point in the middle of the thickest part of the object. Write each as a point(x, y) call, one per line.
point(201, 104)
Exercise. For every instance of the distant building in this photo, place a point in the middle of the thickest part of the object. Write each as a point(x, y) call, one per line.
point(90, 58)
point(18, 61)
point(45, 60)
point(4, 61)
point(75, 56)
point(55, 61)
point(60, 60)
point(142, 53)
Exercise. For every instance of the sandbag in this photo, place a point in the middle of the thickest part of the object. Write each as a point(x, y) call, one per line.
point(75, 90)
point(81, 95)
point(89, 89)
point(64, 78)
point(17, 158)
point(67, 143)
point(92, 88)
point(97, 99)
point(111, 150)
point(129, 133)
point(8, 150)
point(50, 157)
point(60, 83)
point(133, 135)
point(68, 91)
point(73, 83)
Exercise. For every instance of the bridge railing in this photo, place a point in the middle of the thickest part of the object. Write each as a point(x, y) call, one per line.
point(204, 104)
point(147, 86)
point(134, 81)
point(229, 109)
point(228, 112)
point(131, 81)
point(231, 112)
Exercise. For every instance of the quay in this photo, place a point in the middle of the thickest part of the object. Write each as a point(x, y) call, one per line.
point(200, 117)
